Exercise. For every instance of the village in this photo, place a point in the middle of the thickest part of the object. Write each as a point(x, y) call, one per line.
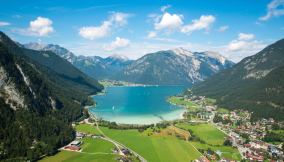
point(252, 139)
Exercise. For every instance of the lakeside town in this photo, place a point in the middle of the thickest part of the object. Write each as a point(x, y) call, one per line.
point(117, 83)
point(256, 140)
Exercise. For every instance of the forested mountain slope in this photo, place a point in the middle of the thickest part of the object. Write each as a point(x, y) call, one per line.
point(256, 83)
point(38, 102)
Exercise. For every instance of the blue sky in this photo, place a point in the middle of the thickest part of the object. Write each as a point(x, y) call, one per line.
point(133, 28)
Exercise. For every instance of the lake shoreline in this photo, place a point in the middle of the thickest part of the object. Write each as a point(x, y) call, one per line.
point(175, 113)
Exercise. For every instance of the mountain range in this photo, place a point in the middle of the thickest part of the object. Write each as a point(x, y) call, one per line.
point(95, 66)
point(40, 95)
point(170, 67)
point(256, 83)
point(174, 67)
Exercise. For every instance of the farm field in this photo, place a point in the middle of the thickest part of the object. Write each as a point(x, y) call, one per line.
point(91, 145)
point(226, 151)
point(206, 132)
point(180, 101)
point(154, 148)
point(70, 156)
point(87, 128)
point(212, 138)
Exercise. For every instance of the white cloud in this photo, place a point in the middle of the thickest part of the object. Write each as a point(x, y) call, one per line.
point(223, 28)
point(203, 22)
point(95, 32)
point(151, 34)
point(245, 36)
point(245, 45)
point(119, 18)
point(3, 23)
point(274, 8)
point(164, 8)
point(238, 49)
point(169, 22)
point(237, 45)
point(117, 44)
point(40, 27)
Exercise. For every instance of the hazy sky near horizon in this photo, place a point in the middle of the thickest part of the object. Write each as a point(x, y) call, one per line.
point(132, 28)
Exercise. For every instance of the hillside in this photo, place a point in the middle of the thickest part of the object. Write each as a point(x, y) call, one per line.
point(255, 83)
point(174, 67)
point(38, 102)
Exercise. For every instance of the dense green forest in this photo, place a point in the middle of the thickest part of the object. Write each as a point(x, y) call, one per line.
point(52, 100)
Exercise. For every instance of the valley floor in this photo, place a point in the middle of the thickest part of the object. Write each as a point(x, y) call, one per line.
point(154, 144)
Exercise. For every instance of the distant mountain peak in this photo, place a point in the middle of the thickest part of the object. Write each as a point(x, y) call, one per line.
point(119, 57)
point(61, 51)
point(182, 51)
point(35, 45)
point(214, 55)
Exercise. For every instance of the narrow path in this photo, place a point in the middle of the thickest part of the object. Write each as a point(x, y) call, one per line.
point(117, 144)
point(94, 153)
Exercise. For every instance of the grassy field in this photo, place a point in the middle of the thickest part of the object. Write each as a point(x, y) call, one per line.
point(87, 128)
point(180, 101)
point(91, 145)
point(213, 139)
point(93, 150)
point(154, 148)
point(226, 151)
point(69, 156)
point(206, 132)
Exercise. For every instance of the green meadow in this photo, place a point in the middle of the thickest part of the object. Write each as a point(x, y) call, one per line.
point(226, 151)
point(182, 102)
point(70, 156)
point(211, 138)
point(154, 148)
point(87, 128)
point(91, 145)
point(206, 132)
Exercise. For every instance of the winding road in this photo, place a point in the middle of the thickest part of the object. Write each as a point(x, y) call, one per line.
point(117, 144)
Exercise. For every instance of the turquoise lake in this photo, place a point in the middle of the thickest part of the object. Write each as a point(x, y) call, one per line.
point(138, 105)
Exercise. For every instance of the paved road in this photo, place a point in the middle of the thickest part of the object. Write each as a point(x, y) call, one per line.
point(117, 144)
point(240, 148)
